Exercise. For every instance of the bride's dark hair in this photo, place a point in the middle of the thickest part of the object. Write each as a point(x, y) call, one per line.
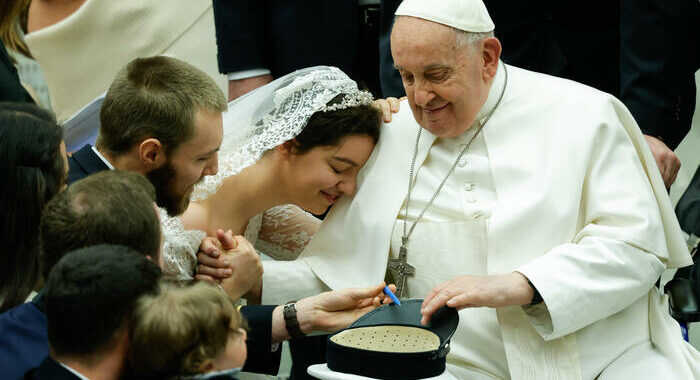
point(331, 127)
point(32, 173)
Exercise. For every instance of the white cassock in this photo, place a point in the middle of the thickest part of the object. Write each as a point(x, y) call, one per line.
point(559, 186)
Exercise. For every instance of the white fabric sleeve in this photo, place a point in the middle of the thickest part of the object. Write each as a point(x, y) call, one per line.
point(244, 74)
point(285, 281)
point(285, 231)
point(618, 252)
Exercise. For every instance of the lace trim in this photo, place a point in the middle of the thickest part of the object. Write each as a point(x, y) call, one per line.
point(180, 247)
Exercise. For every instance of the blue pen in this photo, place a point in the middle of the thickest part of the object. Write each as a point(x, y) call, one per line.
point(391, 295)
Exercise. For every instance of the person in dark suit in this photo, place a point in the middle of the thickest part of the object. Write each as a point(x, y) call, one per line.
point(84, 162)
point(89, 297)
point(103, 209)
point(158, 111)
point(276, 37)
point(11, 88)
point(644, 52)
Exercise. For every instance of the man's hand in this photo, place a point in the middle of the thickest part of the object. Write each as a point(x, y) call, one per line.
point(666, 160)
point(388, 106)
point(478, 291)
point(239, 87)
point(336, 310)
point(246, 279)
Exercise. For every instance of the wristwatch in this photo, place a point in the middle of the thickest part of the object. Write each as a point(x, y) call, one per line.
point(290, 320)
point(536, 296)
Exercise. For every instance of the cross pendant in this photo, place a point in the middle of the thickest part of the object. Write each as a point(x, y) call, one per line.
point(401, 269)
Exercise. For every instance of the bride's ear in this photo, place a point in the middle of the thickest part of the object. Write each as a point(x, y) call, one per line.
point(286, 150)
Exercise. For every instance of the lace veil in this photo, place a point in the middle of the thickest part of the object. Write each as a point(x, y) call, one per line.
point(275, 113)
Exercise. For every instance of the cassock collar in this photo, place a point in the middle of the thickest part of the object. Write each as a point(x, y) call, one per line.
point(496, 87)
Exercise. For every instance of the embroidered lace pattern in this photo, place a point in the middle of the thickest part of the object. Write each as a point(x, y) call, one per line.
point(180, 247)
point(285, 231)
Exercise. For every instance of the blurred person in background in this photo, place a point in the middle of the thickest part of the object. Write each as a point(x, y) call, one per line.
point(33, 170)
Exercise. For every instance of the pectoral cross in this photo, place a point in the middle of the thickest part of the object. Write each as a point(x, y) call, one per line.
point(401, 269)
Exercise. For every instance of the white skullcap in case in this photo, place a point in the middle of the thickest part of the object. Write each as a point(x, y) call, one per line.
point(467, 15)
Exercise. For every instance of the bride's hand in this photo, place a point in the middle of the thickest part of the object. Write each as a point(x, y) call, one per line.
point(388, 106)
point(213, 265)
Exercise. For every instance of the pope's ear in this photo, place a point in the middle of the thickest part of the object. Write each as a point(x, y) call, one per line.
point(151, 154)
point(491, 53)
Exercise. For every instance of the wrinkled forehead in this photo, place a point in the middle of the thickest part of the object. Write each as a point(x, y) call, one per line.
point(418, 45)
point(418, 30)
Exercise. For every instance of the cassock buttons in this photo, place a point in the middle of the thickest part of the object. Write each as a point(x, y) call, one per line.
point(462, 162)
point(469, 186)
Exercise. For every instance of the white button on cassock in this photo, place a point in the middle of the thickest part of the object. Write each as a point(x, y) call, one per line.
point(462, 162)
point(469, 186)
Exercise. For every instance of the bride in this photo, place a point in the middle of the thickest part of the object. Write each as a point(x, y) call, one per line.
point(296, 143)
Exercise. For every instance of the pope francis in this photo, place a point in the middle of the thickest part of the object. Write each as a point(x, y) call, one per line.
point(530, 203)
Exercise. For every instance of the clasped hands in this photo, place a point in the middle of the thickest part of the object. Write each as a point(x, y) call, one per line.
point(232, 262)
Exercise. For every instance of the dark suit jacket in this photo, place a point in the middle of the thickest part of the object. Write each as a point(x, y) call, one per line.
point(49, 369)
point(641, 51)
point(261, 358)
point(23, 338)
point(83, 163)
point(284, 35)
point(11, 89)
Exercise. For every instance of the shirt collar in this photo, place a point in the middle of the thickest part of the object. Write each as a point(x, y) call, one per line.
point(109, 164)
point(76, 373)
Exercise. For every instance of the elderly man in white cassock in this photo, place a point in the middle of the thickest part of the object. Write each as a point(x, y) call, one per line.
point(530, 203)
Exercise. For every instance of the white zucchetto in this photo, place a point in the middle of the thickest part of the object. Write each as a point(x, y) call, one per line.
point(467, 15)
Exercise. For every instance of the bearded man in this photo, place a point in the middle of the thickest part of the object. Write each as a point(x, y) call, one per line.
point(529, 202)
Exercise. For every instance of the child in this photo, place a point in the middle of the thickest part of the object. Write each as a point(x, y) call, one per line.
point(191, 332)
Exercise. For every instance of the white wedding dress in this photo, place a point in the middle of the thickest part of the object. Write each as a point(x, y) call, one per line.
point(255, 123)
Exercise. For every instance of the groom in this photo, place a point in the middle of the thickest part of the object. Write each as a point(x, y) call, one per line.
point(162, 118)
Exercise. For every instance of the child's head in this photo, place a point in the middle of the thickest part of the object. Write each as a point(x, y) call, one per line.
point(185, 331)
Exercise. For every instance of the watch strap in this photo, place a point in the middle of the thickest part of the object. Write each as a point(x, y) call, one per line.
point(290, 320)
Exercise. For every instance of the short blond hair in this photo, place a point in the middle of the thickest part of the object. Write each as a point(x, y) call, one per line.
point(174, 332)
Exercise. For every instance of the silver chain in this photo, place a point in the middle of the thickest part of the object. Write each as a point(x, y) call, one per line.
point(405, 236)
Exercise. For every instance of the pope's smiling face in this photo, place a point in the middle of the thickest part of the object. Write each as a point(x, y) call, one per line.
point(446, 84)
